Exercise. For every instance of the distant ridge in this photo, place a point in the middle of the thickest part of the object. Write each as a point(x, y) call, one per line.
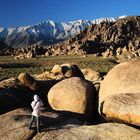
point(106, 39)
point(46, 33)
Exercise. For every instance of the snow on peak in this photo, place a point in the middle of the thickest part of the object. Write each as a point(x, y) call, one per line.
point(52, 30)
point(122, 16)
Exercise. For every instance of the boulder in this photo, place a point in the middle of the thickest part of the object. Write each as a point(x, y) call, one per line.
point(28, 81)
point(13, 95)
point(90, 74)
point(70, 70)
point(37, 86)
point(20, 56)
point(56, 69)
point(46, 54)
point(119, 93)
point(8, 101)
point(106, 131)
point(30, 55)
point(13, 125)
point(74, 95)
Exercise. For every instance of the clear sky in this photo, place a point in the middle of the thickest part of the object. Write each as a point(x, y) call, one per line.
point(26, 12)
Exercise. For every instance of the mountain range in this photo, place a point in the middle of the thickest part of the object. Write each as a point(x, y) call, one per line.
point(106, 39)
point(46, 33)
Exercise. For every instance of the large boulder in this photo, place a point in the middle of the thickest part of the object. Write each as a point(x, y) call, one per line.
point(13, 125)
point(106, 131)
point(119, 95)
point(74, 95)
point(13, 95)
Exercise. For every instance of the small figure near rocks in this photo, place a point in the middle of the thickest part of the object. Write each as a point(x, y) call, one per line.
point(36, 106)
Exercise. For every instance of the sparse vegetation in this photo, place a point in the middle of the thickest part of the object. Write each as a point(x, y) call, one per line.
point(10, 67)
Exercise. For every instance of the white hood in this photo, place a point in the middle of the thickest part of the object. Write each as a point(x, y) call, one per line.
point(36, 98)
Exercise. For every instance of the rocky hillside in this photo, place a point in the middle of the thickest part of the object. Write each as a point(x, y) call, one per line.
point(48, 32)
point(4, 49)
point(104, 39)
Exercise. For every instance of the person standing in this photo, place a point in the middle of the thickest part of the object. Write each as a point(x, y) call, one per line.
point(36, 106)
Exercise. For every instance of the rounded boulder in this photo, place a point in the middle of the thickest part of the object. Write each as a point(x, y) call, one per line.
point(119, 95)
point(74, 95)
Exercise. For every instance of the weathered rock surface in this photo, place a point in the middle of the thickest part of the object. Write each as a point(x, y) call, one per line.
point(13, 95)
point(106, 131)
point(13, 125)
point(74, 95)
point(54, 126)
point(124, 107)
point(119, 93)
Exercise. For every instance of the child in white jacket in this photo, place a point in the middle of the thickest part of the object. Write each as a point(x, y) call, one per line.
point(36, 106)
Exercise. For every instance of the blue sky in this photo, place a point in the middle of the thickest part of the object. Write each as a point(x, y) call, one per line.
point(26, 12)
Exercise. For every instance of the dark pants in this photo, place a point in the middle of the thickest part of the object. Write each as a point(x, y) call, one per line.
point(37, 123)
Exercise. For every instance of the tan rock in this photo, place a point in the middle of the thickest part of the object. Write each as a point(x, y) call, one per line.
point(56, 69)
point(69, 73)
point(30, 55)
point(8, 99)
point(121, 89)
point(106, 131)
point(106, 53)
point(47, 54)
point(119, 51)
point(70, 70)
point(13, 125)
point(125, 49)
point(90, 74)
point(73, 95)
point(27, 80)
point(123, 107)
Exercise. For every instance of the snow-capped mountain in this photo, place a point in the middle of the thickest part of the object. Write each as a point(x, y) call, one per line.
point(47, 32)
